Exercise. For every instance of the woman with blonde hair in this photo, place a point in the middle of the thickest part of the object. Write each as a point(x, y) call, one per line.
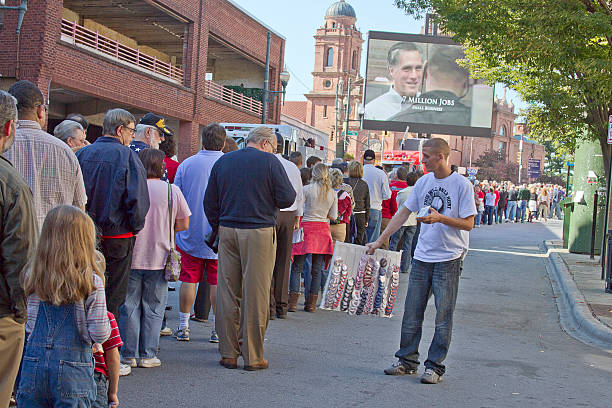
point(66, 313)
point(320, 206)
point(544, 203)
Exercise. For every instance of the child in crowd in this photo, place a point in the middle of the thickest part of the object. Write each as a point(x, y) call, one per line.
point(66, 313)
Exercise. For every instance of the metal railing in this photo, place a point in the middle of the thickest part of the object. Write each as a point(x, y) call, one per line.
point(232, 97)
point(80, 35)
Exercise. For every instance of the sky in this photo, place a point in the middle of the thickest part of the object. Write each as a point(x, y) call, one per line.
point(298, 21)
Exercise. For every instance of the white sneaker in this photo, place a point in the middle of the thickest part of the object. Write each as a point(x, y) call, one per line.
point(124, 369)
point(430, 377)
point(129, 362)
point(166, 331)
point(149, 362)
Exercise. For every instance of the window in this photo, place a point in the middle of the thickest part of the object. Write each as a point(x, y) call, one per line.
point(324, 111)
point(501, 148)
point(333, 25)
point(327, 83)
point(502, 130)
point(354, 60)
point(329, 61)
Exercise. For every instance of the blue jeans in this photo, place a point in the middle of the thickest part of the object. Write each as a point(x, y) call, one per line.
point(511, 211)
point(442, 279)
point(57, 367)
point(521, 210)
point(142, 313)
point(407, 232)
point(373, 229)
point(489, 210)
point(102, 391)
point(295, 278)
point(297, 267)
point(478, 218)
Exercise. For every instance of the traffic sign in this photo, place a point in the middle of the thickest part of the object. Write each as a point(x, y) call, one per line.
point(569, 164)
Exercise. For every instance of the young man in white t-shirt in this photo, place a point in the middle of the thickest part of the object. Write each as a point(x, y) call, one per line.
point(436, 266)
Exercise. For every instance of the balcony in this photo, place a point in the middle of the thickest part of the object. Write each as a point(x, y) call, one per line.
point(233, 98)
point(82, 37)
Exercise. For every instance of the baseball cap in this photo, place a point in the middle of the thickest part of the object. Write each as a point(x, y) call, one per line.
point(156, 121)
point(369, 155)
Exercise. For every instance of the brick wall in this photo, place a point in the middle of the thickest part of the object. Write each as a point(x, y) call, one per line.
point(44, 59)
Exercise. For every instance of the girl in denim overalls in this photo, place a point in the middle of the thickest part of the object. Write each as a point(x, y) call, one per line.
point(66, 314)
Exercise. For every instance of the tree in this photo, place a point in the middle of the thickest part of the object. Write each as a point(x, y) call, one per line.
point(348, 157)
point(556, 53)
point(555, 161)
point(492, 166)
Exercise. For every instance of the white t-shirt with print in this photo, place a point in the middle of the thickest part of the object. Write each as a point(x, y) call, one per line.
point(453, 197)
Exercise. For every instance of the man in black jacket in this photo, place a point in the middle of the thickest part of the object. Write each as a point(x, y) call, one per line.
point(245, 190)
point(18, 235)
point(117, 199)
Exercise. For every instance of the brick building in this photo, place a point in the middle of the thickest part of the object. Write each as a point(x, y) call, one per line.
point(194, 62)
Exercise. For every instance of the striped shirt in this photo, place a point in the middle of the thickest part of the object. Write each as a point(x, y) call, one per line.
point(100, 349)
point(91, 315)
point(49, 167)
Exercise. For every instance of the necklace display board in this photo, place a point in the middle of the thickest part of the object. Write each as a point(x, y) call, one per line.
point(361, 284)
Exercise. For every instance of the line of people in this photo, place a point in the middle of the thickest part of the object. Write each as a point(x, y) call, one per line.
point(499, 202)
point(91, 227)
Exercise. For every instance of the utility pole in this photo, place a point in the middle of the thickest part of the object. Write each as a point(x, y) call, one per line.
point(340, 150)
point(520, 160)
point(339, 90)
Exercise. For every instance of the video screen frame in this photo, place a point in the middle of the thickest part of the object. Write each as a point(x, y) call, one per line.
point(422, 127)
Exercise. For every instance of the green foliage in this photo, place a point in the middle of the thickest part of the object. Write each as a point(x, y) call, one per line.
point(348, 157)
point(493, 167)
point(557, 54)
point(555, 161)
point(255, 93)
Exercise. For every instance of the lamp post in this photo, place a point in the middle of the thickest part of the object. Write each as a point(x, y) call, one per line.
point(284, 79)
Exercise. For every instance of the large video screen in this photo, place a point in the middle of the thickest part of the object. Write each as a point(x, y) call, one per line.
point(414, 83)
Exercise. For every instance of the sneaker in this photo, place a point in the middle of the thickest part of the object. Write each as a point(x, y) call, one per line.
point(124, 369)
point(213, 337)
point(166, 331)
point(129, 361)
point(398, 368)
point(182, 334)
point(431, 377)
point(149, 362)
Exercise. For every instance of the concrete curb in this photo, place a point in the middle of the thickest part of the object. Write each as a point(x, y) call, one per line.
point(574, 313)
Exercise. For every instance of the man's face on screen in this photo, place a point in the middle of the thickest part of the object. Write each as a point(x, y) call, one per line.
point(407, 74)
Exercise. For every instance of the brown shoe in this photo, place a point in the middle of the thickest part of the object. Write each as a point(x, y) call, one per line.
point(229, 362)
point(311, 303)
point(293, 301)
point(259, 366)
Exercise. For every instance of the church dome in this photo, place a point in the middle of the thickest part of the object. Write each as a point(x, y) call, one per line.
point(340, 9)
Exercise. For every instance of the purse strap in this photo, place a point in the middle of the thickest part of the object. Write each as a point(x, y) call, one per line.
point(170, 216)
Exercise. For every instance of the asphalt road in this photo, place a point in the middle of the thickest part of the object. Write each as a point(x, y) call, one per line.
point(508, 349)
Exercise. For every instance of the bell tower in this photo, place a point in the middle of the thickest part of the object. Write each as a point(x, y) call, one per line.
point(338, 45)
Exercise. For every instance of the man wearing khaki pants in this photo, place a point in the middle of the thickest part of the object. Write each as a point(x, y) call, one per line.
point(18, 232)
point(245, 190)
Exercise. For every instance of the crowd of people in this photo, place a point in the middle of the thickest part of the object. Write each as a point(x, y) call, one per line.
point(501, 202)
point(91, 234)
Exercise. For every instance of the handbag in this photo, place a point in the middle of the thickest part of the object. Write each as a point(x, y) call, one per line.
point(173, 261)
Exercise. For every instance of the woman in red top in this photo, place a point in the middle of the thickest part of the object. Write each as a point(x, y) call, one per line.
point(345, 208)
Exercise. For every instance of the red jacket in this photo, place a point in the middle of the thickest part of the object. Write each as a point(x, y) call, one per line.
point(389, 207)
point(171, 167)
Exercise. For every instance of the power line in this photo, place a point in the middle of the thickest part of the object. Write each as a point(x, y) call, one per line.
point(297, 78)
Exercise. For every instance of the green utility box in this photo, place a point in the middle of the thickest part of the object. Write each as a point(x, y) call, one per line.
point(589, 176)
point(568, 207)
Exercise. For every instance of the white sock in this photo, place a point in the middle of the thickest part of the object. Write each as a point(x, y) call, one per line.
point(183, 320)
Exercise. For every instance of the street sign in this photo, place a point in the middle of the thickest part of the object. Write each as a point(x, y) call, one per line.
point(472, 171)
point(610, 130)
point(352, 133)
point(569, 164)
point(534, 168)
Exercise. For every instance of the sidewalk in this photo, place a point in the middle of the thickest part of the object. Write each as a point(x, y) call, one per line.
point(585, 309)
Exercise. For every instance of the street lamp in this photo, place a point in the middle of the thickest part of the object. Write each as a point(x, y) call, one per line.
point(23, 7)
point(284, 79)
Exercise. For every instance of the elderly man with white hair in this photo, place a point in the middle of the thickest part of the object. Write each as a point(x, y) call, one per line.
point(71, 133)
point(245, 190)
point(149, 133)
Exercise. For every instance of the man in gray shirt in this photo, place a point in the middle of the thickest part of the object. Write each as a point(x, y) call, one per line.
point(378, 184)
